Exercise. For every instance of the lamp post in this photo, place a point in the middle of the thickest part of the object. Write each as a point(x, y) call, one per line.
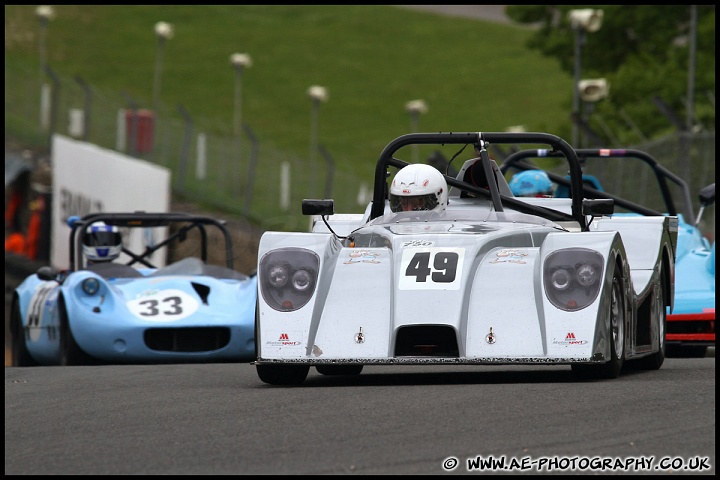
point(44, 13)
point(415, 108)
point(163, 32)
point(318, 95)
point(239, 61)
point(581, 21)
point(591, 91)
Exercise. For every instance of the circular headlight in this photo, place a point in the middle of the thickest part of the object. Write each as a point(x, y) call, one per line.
point(301, 280)
point(586, 275)
point(91, 285)
point(277, 275)
point(560, 279)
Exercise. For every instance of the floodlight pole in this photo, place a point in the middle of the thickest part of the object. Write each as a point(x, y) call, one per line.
point(239, 61)
point(318, 94)
point(581, 21)
point(579, 39)
point(44, 14)
point(163, 31)
point(415, 108)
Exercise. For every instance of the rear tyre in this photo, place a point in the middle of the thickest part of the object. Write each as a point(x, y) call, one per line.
point(339, 369)
point(616, 336)
point(20, 355)
point(655, 361)
point(283, 374)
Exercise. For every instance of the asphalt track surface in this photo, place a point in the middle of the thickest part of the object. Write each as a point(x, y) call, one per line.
point(220, 419)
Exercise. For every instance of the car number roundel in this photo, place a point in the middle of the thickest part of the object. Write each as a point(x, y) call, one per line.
point(163, 306)
point(431, 268)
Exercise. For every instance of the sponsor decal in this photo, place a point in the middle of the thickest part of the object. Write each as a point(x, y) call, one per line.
point(285, 339)
point(570, 340)
point(363, 256)
point(417, 243)
point(509, 256)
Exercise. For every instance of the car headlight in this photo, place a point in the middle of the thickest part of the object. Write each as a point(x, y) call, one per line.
point(572, 278)
point(302, 280)
point(278, 275)
point(91, 285)
point(287, 277)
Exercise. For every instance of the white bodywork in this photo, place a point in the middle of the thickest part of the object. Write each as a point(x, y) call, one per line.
point(493, 279)
point(495, 304)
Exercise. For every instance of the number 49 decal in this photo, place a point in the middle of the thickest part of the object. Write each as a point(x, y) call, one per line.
point(432, 268)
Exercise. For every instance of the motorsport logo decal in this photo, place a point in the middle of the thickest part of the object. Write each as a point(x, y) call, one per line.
point(569, 340)
point(286, 339)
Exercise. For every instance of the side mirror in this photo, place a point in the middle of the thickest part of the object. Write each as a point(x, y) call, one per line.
point(707, 195)
point(318, 207)
point(48, 273)
point(597, 207)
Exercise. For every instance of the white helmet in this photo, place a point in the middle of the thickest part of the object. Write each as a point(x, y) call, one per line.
point(418, 187)
point(102, 243)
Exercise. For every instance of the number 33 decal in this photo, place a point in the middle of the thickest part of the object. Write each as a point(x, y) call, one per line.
point(163, 306)
point(431, 268)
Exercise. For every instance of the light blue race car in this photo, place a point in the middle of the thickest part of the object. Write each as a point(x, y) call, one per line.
point(639, 185)
point(115, 306)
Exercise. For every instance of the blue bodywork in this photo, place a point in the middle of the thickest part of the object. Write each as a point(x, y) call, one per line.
point(691, 323)
point(187, 311)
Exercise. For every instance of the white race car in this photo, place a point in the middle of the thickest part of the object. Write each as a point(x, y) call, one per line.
point(487, 279)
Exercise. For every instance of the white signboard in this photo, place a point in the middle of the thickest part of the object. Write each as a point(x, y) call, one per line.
point(89, 179)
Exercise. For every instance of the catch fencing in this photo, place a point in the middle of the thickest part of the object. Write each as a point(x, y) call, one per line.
point(240, 174)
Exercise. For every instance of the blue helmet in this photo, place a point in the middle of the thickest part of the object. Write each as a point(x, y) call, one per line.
point(530, 183)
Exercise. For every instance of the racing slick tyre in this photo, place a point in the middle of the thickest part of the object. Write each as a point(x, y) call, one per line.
point(70, 352)
point(20, 355)
point(616, 335)
point(655, 361)
point(285, 374)
point(339, 369)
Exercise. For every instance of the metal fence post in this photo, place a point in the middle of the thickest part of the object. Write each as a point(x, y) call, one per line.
point(330, 171)
point(87, 107)
point(251, 169)
point(54, 97)
point(185, 150)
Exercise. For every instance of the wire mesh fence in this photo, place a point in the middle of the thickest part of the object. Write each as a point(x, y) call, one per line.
point(243, 175)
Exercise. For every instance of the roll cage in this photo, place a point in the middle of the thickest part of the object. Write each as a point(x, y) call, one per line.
point(480, 141)
point(185, 222)
point(518, 161)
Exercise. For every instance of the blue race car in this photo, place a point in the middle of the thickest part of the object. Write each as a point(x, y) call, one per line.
point(625, 173)
point(115, 306)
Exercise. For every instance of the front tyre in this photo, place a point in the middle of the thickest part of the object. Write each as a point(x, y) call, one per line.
point(20, 354)
point(70, 353)
point(339, 369)
point(282, 374)
point(616, 335)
